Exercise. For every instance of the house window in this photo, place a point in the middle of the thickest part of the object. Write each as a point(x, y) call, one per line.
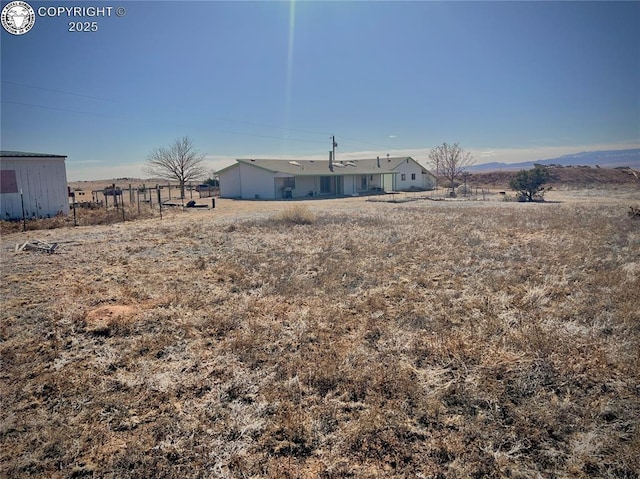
point(363, 182)
point(289, 182)
point(413, 176)
point(403, 177)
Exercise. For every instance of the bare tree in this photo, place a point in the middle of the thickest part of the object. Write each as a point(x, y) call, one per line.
point(180, 162)
point(450, 161)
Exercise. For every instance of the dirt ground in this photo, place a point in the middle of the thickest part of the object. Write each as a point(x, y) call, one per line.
point(356, 337)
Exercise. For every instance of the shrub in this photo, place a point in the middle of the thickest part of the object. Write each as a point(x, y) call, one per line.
point(528, 183)
point(297, 215)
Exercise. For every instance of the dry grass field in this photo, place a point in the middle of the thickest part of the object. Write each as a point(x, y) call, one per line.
point(328, 339)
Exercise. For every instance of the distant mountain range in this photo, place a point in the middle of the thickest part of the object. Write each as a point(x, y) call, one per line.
point(603, 159)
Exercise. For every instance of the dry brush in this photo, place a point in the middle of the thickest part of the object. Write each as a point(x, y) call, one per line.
point(384, 340)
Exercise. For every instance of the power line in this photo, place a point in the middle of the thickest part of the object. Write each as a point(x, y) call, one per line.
point(364, 142)
point(270, 136)
point(57, 91)
point(352, 147)
point(52, 108)
point(221, 119)
point(215, 130)
point(341, 137)
point(272, 126)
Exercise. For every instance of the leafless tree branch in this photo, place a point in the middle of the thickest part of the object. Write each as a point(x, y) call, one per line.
point(450, 161)
point(180, 162)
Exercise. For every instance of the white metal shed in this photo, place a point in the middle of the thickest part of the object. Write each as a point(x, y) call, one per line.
point(33, 183)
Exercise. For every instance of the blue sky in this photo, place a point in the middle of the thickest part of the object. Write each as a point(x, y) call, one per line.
point(509, 81)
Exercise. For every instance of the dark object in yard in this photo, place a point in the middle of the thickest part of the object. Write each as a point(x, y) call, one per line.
point(193, 204)
point(634, 212)
point(112, 191)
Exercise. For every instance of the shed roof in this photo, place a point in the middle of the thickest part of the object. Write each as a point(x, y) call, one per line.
point(368, 166)
point(24, 154)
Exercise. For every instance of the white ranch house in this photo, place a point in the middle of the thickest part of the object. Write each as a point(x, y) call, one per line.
point(279, 179)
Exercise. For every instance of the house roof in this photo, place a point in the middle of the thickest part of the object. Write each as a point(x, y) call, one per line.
point(24, 154)
point(368, 166)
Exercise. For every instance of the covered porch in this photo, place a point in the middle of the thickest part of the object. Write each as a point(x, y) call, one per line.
point(301, 186)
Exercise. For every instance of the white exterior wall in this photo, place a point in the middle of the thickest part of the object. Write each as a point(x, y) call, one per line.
point(409, 168)
point(428, 181)
point(230, 183)
point(257, 182)
point(43, 182)
point(375, 181)
point(305, 185)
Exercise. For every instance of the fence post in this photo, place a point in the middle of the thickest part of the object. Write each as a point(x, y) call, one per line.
point(115, 196)
point(24, 221)
point(160, 203)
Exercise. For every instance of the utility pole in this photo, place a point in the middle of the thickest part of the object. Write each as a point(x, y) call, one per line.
point(334, 145)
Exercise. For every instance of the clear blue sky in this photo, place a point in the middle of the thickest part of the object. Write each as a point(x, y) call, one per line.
point(276, 79)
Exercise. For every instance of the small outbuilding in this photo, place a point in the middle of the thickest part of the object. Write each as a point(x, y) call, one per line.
point(33, 185)
point(279, 179)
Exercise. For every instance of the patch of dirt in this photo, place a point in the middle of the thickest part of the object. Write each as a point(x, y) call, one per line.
point(101, 320)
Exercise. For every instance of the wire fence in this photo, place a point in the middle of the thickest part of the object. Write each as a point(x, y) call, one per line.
point(155, 196)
